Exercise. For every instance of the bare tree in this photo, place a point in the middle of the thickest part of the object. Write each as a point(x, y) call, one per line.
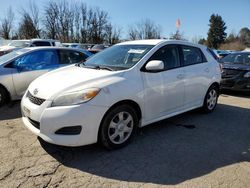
point(84, 23)
point(34, 14)
point(50, 21)
point(97, 21)
point(177, 35)
point(77, 21)
point(29, 25)
point(6, 26)
point(74, 22)
point(27, 29)
point(112, 34)
point(195, 39)
point(145, 29)
point(133, 35)
point(63, 21)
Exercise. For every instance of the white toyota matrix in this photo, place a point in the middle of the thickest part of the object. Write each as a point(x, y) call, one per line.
point(127, 86)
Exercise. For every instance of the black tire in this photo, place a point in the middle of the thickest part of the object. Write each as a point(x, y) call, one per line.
point(106, 128)
point(207, 106)
point(3, 96)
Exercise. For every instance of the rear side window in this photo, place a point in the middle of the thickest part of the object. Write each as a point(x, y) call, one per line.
point(192, 55)
point(41, 43)
point(71, 57)
point(169, 55)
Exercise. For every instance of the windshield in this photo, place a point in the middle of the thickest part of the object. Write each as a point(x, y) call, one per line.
point(119, 57)
point(237, 58)
point(19, 44)
point(12, 55)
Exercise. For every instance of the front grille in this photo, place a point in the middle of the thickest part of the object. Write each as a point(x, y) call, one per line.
point(34, 99)
point(230, 73)
point(34, 123)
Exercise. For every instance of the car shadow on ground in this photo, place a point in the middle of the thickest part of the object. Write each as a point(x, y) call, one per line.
point(168, 152)
point(236, 93)
point(10, 111)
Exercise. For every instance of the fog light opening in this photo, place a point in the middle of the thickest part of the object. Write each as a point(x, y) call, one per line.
point(72, 130)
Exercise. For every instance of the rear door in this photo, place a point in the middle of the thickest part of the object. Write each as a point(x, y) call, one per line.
point(197, 75)
point(32, 65)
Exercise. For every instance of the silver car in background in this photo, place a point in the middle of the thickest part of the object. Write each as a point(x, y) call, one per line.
point(19, 68)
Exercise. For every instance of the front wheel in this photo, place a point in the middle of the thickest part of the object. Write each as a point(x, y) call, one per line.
point(118, 127)
point(211, 99)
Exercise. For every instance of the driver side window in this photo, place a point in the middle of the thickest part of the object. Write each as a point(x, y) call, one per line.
point(169, 55)
point(37, 60)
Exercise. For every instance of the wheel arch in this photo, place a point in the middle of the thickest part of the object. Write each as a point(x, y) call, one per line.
point(7, 92)
point(129, 102)
point(216, 84)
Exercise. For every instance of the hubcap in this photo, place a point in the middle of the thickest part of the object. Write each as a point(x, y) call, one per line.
point(120, 127)
point(211, 99)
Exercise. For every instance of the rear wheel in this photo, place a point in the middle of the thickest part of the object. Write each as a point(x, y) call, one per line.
point(211, 99)
point(3, 96)
point(118, 127)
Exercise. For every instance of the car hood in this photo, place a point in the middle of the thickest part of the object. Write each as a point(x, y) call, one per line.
point(235, 66)
point(70, 78)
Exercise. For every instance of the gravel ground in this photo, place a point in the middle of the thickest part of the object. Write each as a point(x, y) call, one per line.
point(190, 150)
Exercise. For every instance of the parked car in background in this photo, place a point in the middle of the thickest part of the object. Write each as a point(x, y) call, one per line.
point(128, 85)
point(221, 53)
point(97, 48)
point(78, 45)
point(236, 71)
point(18, 44)
point(19, 68)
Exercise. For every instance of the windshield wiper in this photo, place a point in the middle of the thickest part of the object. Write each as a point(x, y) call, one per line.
point(104, 67)
point(82, 64)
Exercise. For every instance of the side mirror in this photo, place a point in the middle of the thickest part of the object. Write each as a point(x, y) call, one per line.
point(155, 65)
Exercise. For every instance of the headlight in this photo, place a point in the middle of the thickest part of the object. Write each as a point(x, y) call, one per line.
point(77, 97)
point(247, 75)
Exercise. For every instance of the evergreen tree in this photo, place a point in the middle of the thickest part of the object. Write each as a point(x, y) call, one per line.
point(216, 32)
point(245, 36)
point(202, 41)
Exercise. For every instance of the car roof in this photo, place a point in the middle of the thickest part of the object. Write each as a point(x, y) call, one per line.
point(57, 48)
point(159, 41)
point(143, 42)
point(51, 47)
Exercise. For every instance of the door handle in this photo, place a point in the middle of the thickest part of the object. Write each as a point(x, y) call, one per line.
point(180, 76)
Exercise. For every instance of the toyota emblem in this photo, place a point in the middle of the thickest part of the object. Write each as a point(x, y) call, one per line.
point(35, 91)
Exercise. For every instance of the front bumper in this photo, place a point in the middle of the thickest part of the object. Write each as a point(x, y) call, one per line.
point(51, 119)
point(237, 84)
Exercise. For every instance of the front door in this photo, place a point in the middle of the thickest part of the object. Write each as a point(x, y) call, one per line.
point(164, 91)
